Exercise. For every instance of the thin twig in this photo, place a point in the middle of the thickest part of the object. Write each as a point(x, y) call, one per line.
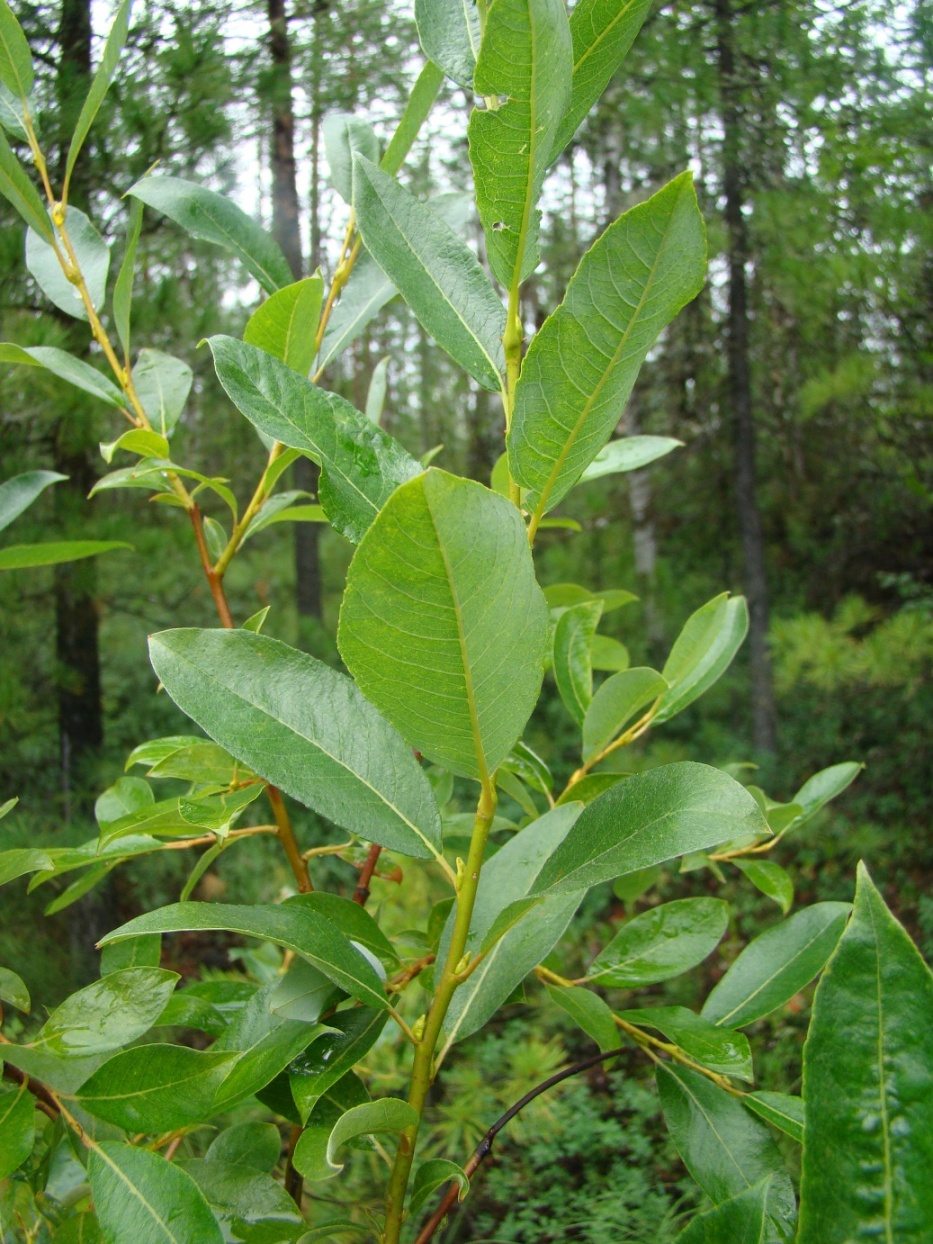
point(287, 838)
point(215, 583)
point(361, 893)
point(484, 1147)
point(294, 1182)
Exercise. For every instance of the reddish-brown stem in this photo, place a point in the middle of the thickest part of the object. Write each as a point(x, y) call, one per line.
point(484, 1147)
point(398, 983)
point(361, 893)
point(287, 838)
point(294, 1183)
point(44, 1099)
point(214, 581)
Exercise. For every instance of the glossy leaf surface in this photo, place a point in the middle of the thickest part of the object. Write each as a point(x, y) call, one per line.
point(248, 1204)
point(306, 933)
point(156, 1088)
point(777, 965)
point(306, 728)
point(770, 879)
point(109, 1013)
point(92, 254)
point(310, 1157)
point(450, 36)
point(360, 464)
point(443, 625)
point(285, 325)
point(581, 366)
point(661, 943)
point(616, 702)
point(82, 375)
point(141, 1197)
point(781, 1109)
point(588, 1010)
point(743, 1219)
point(602, 33)
point(523, 73)
point(573, 669)
point(721, 1050)
point(703, 651)
point(389, 1114)
point(725, 1149)
point(333, 1055)
point(868, 1086)
point(631, 454)
point(434, 270)
point(17, 1127)
point(18, 493)
point(649, 818)
point(213, 218)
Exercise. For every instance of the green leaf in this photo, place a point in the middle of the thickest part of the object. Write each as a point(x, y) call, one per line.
point(528, 765)
point(509, 876)
point(770, 879)
point(450, 36)
point(17, 1128)
point(589, 1011)
point(344, 137)
point(743, 1219)
point(310, 1156)
point(649, 818)
point(242, 1198)
point(361, 466)
point(290, 925)
point(573, 671)
point(630, 454)
point(354, 921)
point(92, 254)
point(780, 1109)
point(23, 556)
point(136, 440)
point(868, 1086)
point(561, 596)
point(632, 886)
point(443, 625)
point(181, 817)
point(279, 508)
point(777, 965)
point(123, 287)
point(602, 32)
point(16, 71)
point(333, 1055)
point(432, 1175)
point(608, 654)
point(376, 393)
point(818, 790)
point(661, 943)
point(302, 993)
point(79, 1229)
point(156, 1088)
point(524, 70)
point(365, 294)
point(61, 1074)
point(723, 1051)
point(265, 1045)
point(107, 1014)
point(101, 84)
point(389, 1114)
point(13, 990)
point(82, 375)
point(213, 218)
point(616, 702)
point(18, 493)
point(369, 289)
point(306, 728)
point(16, 187)
point(257, 1145)
point(435, 272)
point(286, 324)
point(703, 651)
point(722, 1146)
point(13, 114)
point(162, 384)
point(135, 952)
point(420, 102)
point(139, 1196)
point(581, 366)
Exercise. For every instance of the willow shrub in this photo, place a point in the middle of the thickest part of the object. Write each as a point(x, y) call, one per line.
point(446, 636)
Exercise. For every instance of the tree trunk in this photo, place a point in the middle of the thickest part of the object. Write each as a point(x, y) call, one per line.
point(77, 646)
point(764, 718)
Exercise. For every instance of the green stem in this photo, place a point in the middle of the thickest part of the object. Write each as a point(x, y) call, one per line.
point(423, 1069)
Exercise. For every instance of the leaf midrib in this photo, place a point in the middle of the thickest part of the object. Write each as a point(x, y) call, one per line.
point(594, 396)
point(135, 1192)
point(313, 743)
point(788, 963)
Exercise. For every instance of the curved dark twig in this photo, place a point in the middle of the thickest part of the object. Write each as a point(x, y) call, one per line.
point(484, 1147)
point(361, 893)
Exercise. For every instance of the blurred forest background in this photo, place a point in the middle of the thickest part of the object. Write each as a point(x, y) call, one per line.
point(800, 382)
